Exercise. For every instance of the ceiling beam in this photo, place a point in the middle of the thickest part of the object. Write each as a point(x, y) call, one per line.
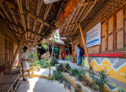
point(76, 24)
point(45, 16)
point(12, 13)
point(39, 5)
point(47, 11)
point(20, 27)
point(1, 13)
point(28, 17)
point(19, 3)
point(5, 12)
point(8, 32)
point(29, 14)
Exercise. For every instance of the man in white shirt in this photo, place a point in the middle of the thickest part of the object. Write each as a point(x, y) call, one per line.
point(24, 63)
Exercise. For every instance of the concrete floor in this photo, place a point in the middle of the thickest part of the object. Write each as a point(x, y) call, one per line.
point(40, 85)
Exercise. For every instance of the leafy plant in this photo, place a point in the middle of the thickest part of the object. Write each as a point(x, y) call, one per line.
point(33, 57)
point(63, 67)
point(81, 75)
point(99, 82)
point(121, 90)
point(57, 76)
point(74, 72)
point(44, 46)
point(44, 63)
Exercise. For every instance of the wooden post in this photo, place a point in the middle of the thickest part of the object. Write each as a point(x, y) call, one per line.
point(68, 49)
point(84, 43)
point(17, 50)
point(72, 44)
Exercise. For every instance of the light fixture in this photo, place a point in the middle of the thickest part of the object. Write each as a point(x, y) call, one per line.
point(50, 1)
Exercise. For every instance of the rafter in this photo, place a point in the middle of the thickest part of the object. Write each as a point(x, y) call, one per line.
point(39, 5)
point(35, 23)
point(19, 2)
point(47, 11)
point(77, 17)
point(1, 13)
point(5, 12)
point(12, 13)
point(27, 13)
point(28, 17)
point(19, 27)
point(45, 16)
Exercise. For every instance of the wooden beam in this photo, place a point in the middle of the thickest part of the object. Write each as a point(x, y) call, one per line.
point(19, 2)
point(44, 18)
point(6, 30)
point(47, 11)
point(5, 12)
point(68, 49)
point(40, 28)
point(71, 25)
point(28, 17)
point(68, 33)
point(1, 13)
point(74, 17)
point(84, 43)
point(38, 19)
point(10, 23)
point(39, 5)
point(76, 24)
point(87, 3)
point(29, 14)
point(12, 13)
point(35, 23)
point(72, 44)
point(87, 13)
point(34, 33)
point(77, 17)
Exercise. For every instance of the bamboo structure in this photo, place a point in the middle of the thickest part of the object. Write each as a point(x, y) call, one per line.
point(84, 43)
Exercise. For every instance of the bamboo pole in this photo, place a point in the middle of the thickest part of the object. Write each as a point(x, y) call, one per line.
point(68, 49)
point(84, 43)
point(71, 43)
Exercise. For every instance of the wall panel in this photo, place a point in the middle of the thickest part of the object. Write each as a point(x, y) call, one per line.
point(104, 37)
point(110, 34)
point(119, 28)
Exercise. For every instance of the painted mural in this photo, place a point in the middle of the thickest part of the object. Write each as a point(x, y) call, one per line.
point(115, 67)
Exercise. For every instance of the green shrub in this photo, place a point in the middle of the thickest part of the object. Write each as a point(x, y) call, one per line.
point(57, 76)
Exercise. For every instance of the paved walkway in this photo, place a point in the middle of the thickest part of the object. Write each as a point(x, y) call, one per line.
point(40, 85)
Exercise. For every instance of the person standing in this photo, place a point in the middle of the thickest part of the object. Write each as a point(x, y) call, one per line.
point(63, 55)
point(79, 54)
point(24, 63)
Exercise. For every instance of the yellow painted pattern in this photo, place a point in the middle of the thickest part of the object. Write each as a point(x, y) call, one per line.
point(119, 74)
point(106, 65)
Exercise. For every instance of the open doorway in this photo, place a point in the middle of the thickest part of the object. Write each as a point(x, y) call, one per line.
point(56, 51)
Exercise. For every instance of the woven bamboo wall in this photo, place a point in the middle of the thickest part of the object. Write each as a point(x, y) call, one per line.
point(119, 30)
point(112, 35)
point(7, 51)
point(2, 50)
point(104, 37)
